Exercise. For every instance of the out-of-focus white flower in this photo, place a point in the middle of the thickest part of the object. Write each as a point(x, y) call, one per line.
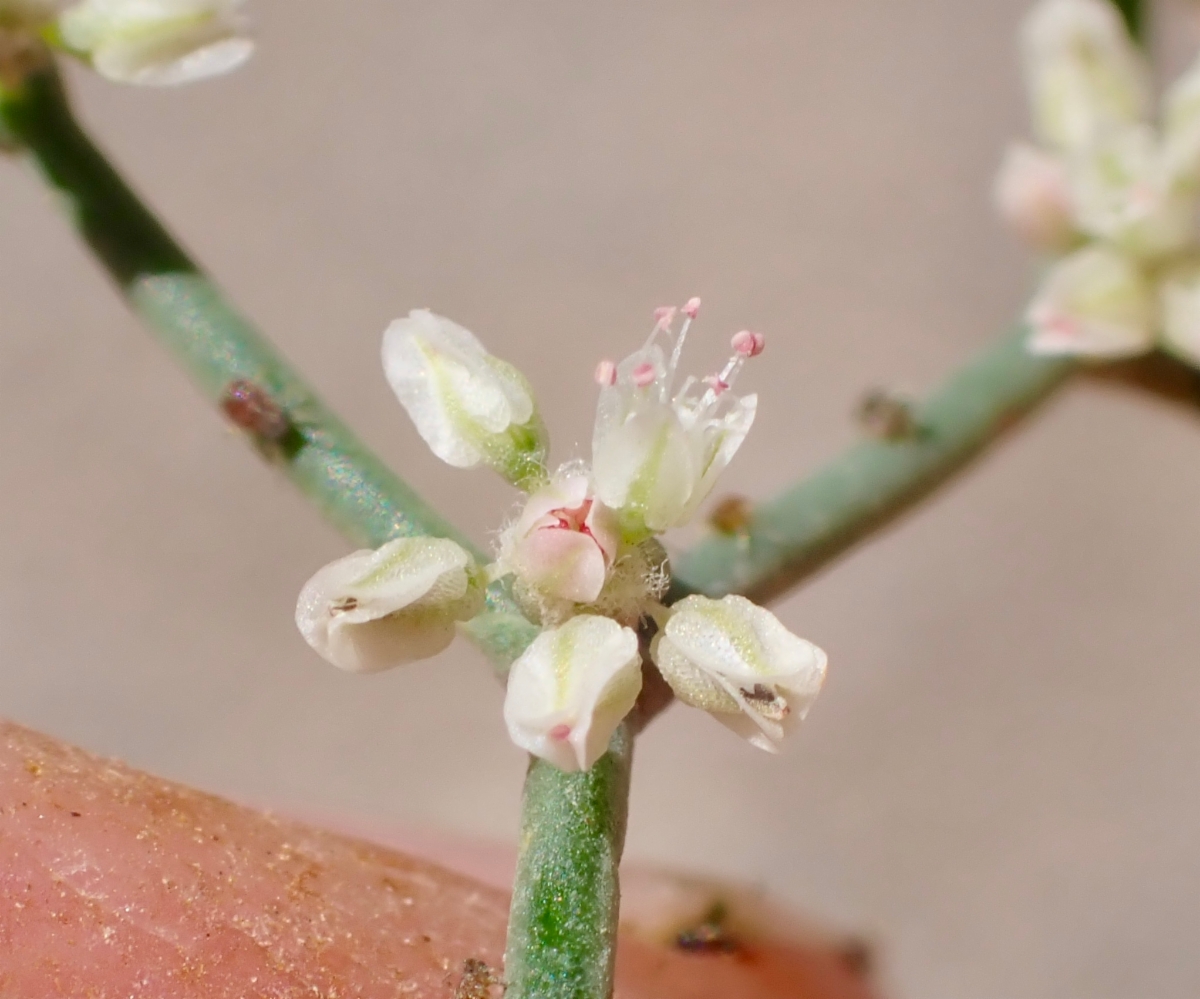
point(1181, 130)
point(470, 407)
point(376, 609)
point(157, 41)
point(1095, 302)
point(565, 541)
point(1083, 71)
point(735, 660)
point(1180, 301)
point(657, 449)
point(1125, 194)
point(1032, 195)
point(570, 689)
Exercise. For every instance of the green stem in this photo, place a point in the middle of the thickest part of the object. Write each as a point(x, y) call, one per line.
point(562, 930)
point(217, 346)
point(800, 531)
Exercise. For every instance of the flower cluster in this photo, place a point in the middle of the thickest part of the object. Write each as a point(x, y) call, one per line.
point(581, 556)
point(138, 41)
point(1113, 197)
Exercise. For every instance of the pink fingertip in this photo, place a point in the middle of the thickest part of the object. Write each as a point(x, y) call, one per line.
point(748, 344)
point(606, 374)
point(643, 375)
point(692, 307)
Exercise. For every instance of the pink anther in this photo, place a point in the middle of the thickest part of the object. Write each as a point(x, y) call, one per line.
point(560, 732)
point(644, 374)
point(717, 384)
point(692, 307)
point(748, 344)
point(606, 374)
point(664, 315)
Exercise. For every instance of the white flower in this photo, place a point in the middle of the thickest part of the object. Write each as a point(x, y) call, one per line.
point(1095, 302)
point(157, 41)
point(1181, 130)
point(470, 407)
point(656, 449)
point(1032, 195)
point(376, 609)
point(1083, 71)
point(737, 661)
point(570, 689)
point(564, 542)
point(1180, 301)
point(1124, 193)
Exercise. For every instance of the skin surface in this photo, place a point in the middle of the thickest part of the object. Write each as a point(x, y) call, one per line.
point(118, 884)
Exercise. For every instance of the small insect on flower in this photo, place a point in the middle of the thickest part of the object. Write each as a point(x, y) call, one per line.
point(250, 408)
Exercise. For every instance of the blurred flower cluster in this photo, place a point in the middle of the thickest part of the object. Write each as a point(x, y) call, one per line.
point(136, 41)
point(1110, 194)
point(581, 556)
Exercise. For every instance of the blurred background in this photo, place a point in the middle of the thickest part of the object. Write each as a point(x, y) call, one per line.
point(999, 782)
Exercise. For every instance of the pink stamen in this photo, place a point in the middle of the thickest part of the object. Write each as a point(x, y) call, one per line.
point(748, 344)
point(692, 307)
point(606, 373)
point(717, 384)
point(560, 732)
point(643, 375)
point(664, 315)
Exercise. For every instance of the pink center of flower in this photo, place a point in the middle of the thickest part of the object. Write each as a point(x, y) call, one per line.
point(574, 518)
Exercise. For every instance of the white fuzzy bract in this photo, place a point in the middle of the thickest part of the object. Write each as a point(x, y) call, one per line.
point(735, 660)
point(157, 42)
point(571, 688)
point(373, 610)
point(470, 407)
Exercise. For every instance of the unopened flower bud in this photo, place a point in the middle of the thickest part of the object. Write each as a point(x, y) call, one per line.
point(1032, 195)
point(570, 689)
point(736, 660)
point(1096, 302)
point(470, 407)
point(157, 41)
point(1083, 71)
point(376, 609)
point(564, 542)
